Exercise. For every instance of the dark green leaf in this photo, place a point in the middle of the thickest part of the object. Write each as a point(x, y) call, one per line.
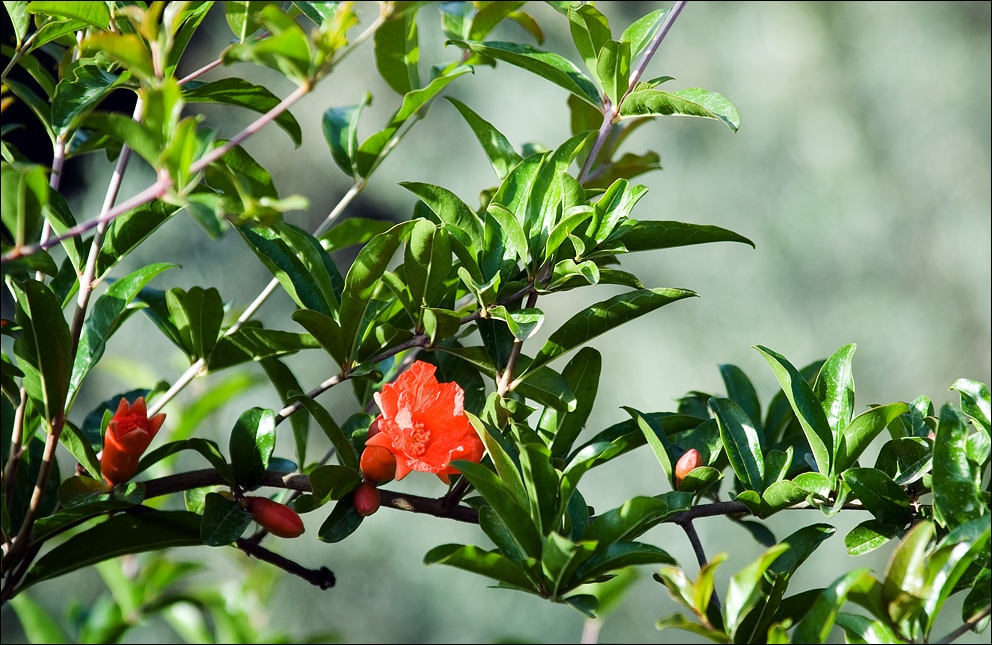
point(582, 375)
point(341, 133)
point(485, 563)
point(82, 89)
point(44, 346)
point(975, 401)
point(742, 392)
point(239, 92)
point(650, 235)
point(620, 555)
point(207, 449)
point(689, 102)
point(24, 195)
point(334, 482)
point(354, 230)
point(547, 65)
point(600, 318)
point(119, 535)
point(499, 497)
point(882, 497)
point(342, 522)
point(741, 442)
point(868, 536)
point(128, 231)
point(198, 314)
point(820, 617)
point(252, 440)
point(905, 460)
point(806, 407)
point(659, 442)
point(223, 520)
point(345, 449)
point(635, 516)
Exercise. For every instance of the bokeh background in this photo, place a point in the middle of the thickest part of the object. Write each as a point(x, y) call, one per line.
point(861, 171)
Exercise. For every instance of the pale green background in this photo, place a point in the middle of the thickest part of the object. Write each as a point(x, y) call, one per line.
point(861, 171)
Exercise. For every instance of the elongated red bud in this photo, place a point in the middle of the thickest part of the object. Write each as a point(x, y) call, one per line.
point(278, 519)
point(687, 463)
point(366, 499)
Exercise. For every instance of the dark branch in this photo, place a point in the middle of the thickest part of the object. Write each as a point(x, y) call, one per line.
point(322, 577)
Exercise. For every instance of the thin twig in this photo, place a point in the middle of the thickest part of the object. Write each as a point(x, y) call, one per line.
point(322, 578)
point(503, 386)
point(697, 548)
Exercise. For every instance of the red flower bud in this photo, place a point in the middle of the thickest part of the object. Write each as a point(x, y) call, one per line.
point(378, 464)
point(366, 499)
point(278, 519)
point(687, 463)
point(128, 435)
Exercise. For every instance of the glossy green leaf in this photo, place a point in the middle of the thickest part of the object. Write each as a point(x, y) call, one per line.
point(541, 482)
point(814, 483)
point(689, 102)
point(642, 30)
point(223, 520)
point(834, 387)
point(497, 147)
point(93, 13)
point(44, 348)
point(742, 443)
point(198, 314)
point(956, 499)
point(863, 429)
point(806, 407)
point(600, 318)
point(905, 460)
point(427, 263)
point(24, 194)
point(547, 65)
point(490, 15)
point(286, 49)
point(333, 482)
point(650, 235)
point(258, 344)
point(881, 496)
point(485, 563)
point(107, 315)
point(613, 69)
point(61, 220)
point(84, 87)
point(523, 323)
point(41, 261)
point(127, 49)
point(741, 391)
point(120, 535)
point(512, 228)
point(20, 20)
point(744, 589)
point(129, 230)
point(340, 127)
point(207, 449)
point(820, 617)
point(635, 516)
point(861, 629)
point(319, 12)
point(620, 555)
point(460, 220)
point(397, 52)
point(679, 621)
point(373, 150)
point(241, 93)
point(905, 578)
point(501, 499)
point(342, 522)
point(241, 17)
point(868, 536)
point(975, 401)
point(590, 31)
point(252, 440)
point(345, 449)
point(945, 567)
point(656, 437)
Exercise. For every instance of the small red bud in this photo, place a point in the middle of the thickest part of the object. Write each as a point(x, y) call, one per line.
point(278, 519)
point(687, 463)
point(366, 499)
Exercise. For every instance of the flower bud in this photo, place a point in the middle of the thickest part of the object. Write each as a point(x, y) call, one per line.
point(366, 499)
point(128, 435)
point(687, 463)
point(278, 519)
point(378, 464)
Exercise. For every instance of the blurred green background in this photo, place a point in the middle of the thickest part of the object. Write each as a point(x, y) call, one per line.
point(861, 171)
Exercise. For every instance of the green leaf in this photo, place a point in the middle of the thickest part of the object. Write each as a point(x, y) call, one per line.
point(905, 460)
point(819, 619)
point(397, 52)
point(119, 535)
point(334, 482)
point(541, 481)
point(497, 147)
point(207, 449)
point(862, 430)
point(460, 220)
point(635, 516)
point(361, 282)
point(39, 626)
point(319, 12)
point(342, 522)
point(523, 323)
point(741, 442)
point(742, 392)
point(600, 318)
point(375, 148)
point(484, 563)
point(252, 440)
point(287, 49)
point(620, 555)
point(905, 578)
point(241, 17)
point(107, 315)
point(345, 449)
point(744, 590)
point(868, 536)
point(881, 496)
point(129, 50)
point(658, 440)
point(689, 102)
point(341, 133)
point(547, 65)
point(956, 499)
point(642, 30)
point(239, 92)
point(44, 346)
point(512, 228)
point(93, 13)
point(21, 22)
point(975, 401)
point(650, 235)
point(590, 31)
point(806, 407)
point(223, 520)
point(501, 499)
point(198, 314)
point(582, 375)
point(129, 230)
point(82, 89)
point(427, 263)
point(834, 387)
point(860, 629)
point(679, 621)
point(613, 69)
point(24, 195)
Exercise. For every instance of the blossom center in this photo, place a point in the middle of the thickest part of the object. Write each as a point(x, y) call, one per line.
point(129, 422)
point(419, 436)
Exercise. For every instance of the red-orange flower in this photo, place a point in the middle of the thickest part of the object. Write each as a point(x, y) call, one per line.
point(128, 435)
point(423, 424)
